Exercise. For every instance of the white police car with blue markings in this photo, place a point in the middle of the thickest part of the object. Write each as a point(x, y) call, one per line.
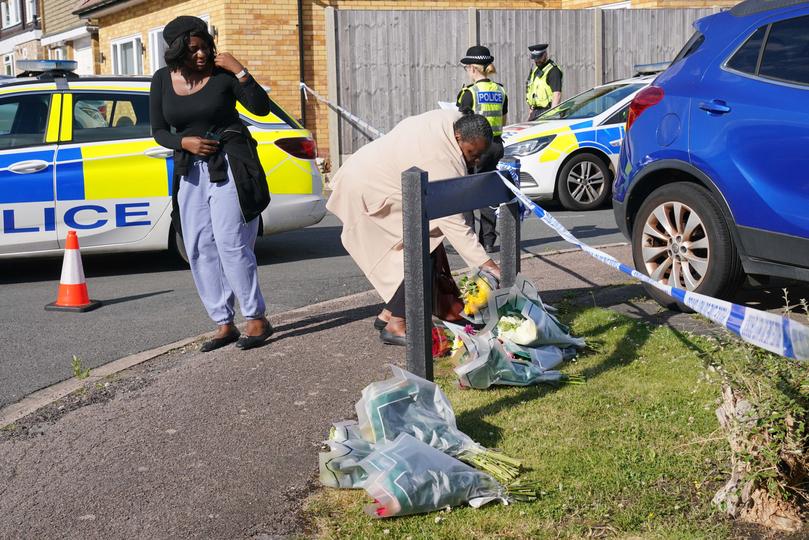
point(76, 153)
point(571, 151)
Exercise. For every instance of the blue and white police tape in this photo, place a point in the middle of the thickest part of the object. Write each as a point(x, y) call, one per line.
point(769, 331)
point(371, 130)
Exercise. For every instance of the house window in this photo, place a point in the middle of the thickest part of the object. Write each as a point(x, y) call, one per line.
point(157, 46)
point(8, 64)
point(30, 10)
point(127, 57)
point(10, 12)
point(157, 49)
point(57, 53)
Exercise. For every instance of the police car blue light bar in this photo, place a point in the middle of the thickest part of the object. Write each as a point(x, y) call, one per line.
point(40, 66)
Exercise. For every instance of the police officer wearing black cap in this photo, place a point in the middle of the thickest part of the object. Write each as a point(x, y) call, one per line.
point(487, 98)
point(544, 85)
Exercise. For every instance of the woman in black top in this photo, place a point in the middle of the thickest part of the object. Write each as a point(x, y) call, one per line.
point(219, 186)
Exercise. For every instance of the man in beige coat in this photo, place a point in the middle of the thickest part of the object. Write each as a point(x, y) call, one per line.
point(367, 198)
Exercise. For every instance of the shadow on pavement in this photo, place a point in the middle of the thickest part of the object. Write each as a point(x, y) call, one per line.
point(132, 298)
point(318, 323)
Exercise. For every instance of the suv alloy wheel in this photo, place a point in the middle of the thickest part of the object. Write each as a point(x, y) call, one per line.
point(680, 238)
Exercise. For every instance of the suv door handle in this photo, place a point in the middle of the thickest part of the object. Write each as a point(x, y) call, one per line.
point(715, 106)
point(158, 152)
point(28, 167)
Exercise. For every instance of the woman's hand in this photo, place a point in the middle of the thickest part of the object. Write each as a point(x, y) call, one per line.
point(199, 146)
point(227, 62)
point(492, 267)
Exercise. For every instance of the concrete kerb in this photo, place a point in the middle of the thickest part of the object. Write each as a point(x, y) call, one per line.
point(41, 398)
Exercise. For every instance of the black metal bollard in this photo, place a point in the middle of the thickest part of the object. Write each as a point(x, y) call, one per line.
point(417, 277)
point(422, 201)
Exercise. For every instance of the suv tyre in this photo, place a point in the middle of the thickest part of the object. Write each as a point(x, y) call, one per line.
point(584, 183)
point(680, 237)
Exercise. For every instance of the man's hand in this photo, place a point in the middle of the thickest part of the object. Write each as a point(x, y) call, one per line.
point(227, 62)
point(199, 146)
point(492, 267)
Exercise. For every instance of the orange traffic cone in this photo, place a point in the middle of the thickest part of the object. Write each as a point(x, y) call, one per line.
point(72, 295)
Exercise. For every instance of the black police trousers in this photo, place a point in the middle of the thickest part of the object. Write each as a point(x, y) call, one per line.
point(487, 234)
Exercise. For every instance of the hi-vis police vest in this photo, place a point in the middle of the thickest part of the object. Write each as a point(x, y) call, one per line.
point(488, 98)
point(538, 93)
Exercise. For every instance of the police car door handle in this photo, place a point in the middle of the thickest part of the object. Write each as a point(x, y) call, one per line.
point(158, 152)
point(715, 106)
point(29, 166)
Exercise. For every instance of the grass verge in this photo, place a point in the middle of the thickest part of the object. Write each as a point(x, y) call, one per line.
point(636, 450)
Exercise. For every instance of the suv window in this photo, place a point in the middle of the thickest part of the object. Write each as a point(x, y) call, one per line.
point(786, 54)
point(690, 47)
point(746, 57)
point(106, 117)
point(23, 120)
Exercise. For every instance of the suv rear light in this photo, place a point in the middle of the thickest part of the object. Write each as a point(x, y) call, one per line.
point(651, 95)
point(299, 147)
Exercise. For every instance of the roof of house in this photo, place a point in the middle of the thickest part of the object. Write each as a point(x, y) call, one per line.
point(88, 7)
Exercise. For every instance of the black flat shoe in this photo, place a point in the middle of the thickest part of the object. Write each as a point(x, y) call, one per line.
point(392, 339)
point(379, 324)
point(218, 343)
point(251, 342)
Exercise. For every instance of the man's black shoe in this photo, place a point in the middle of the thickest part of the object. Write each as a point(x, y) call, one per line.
point(389, 338)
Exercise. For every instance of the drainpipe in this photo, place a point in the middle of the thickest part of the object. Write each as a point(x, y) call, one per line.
point(300, 60)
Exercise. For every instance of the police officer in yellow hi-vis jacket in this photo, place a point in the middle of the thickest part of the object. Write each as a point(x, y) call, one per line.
point(544, 85)
point(487, 98)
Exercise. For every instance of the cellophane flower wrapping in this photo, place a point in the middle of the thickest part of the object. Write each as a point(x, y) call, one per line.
point(522, 301)
point(475, 291)
point(339, 461)
point(407, 476)
point(487, 363)
point(406, 403)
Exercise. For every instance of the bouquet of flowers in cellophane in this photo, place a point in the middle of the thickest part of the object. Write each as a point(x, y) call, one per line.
point(520, 345)
point(341, 454)
point(409, 404)
point(407, 476)
point(475, 291)
point(408, 454)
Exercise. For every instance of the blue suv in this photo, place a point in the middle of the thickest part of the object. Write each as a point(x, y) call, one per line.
point(713, 179)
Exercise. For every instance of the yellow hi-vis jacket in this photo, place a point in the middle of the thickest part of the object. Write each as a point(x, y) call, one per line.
point(538, 93)
point(488, 98)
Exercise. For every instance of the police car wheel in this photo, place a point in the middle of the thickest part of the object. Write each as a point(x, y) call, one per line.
point(177, 246)
point(679, 237)
point(584, 183)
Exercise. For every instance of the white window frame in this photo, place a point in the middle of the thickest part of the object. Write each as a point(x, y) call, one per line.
point(137, 49)
point(31, 8)
point(156, 42)
point(8, 64)
point(10, 13)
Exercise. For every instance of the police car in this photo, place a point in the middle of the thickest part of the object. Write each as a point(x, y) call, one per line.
point(571, 151)
point(76, 153)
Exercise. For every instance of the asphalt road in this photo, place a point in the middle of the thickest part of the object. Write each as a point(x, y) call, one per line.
point(150, 299)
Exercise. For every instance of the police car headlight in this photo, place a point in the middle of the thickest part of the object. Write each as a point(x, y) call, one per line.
point(525, 148)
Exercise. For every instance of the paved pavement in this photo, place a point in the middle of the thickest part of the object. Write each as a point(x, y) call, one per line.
point(150, 298)
point(224, 444)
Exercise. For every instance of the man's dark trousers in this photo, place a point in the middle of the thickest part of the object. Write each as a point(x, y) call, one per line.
point(487, 235)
